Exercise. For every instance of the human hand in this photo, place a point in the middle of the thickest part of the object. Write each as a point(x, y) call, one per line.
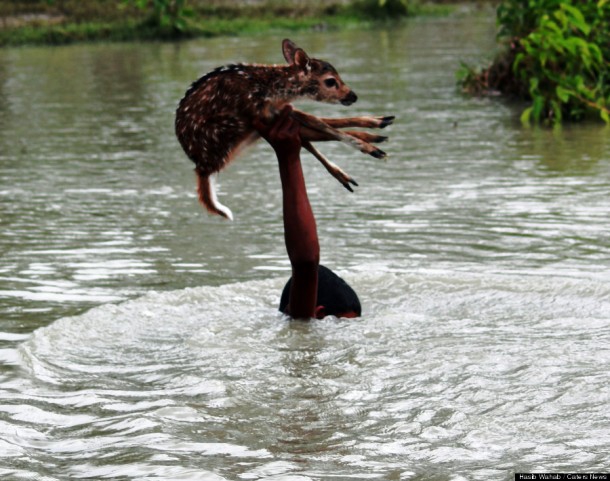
point(283, 134)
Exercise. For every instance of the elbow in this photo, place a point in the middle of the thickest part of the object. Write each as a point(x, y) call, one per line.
point(305, 272)
point(305, 254)
point(306, 265)
point(303, 249)
point(306, 260)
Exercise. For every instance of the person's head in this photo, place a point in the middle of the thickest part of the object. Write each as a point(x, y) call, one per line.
point(335, 296)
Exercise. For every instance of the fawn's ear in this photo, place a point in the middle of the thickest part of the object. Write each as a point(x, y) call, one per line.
point(288, 49)
point(301, 59)
point(295, 55)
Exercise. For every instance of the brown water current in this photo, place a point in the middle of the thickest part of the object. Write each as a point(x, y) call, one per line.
point(139, 337)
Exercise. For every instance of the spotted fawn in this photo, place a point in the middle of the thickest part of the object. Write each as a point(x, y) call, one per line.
point(214, 120)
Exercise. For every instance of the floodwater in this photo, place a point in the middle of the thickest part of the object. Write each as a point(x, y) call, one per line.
point(139, 337)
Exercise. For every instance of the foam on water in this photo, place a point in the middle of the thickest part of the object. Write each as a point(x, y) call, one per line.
point(447, 373)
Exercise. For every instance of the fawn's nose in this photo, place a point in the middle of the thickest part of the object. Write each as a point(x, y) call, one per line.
point(350, 98)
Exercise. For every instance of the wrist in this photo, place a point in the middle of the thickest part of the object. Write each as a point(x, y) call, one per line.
point(289, 155)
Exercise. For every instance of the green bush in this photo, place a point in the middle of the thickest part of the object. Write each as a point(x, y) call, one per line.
point(557, 56)
point(381, 9)
point(164, 14)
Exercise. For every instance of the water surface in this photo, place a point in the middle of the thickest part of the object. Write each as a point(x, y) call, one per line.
point(139, 338)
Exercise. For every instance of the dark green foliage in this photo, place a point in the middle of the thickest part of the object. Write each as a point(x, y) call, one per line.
point(66, 21)
point(164, 14)
point(557, 56)
point(382, 9)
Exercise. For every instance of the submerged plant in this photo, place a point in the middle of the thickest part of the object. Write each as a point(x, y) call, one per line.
point(557, 56)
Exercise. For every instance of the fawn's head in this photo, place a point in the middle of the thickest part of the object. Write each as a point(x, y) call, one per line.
point(318, 79)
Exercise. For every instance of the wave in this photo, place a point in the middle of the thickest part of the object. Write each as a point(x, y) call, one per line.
point(156, 330)
point(476, 369)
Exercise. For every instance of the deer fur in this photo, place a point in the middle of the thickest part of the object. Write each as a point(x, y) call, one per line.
point(214, 119)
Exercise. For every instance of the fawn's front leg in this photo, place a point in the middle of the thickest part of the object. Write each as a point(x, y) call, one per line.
point(317, 136)
point(316, 124)
point(343, 177)
point(364, 122)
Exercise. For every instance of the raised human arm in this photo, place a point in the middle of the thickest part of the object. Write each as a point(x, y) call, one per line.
point(300, 232)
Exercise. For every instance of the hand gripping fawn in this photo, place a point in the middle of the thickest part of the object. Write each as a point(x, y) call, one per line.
point(214, 120)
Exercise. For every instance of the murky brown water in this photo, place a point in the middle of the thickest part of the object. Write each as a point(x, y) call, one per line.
point(480, 251)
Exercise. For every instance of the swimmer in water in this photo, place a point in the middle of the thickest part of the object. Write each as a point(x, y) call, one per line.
point(313, 291)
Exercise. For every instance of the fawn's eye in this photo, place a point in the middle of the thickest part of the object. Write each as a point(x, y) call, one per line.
point(330, 82)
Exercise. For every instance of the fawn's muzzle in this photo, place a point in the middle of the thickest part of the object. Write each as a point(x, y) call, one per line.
point(350, 98)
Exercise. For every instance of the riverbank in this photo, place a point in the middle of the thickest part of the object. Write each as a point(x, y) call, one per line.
point(69, 21)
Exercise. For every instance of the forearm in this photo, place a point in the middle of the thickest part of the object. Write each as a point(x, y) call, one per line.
point(300, 231)
point(301, 238)
point(299, 223)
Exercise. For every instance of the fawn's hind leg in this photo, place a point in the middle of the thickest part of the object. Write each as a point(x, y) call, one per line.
point(316, 124)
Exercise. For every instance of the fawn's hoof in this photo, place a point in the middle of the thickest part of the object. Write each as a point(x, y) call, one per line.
point(385, 121)
point(379, 154)
point(378, 139)
point(347, 183)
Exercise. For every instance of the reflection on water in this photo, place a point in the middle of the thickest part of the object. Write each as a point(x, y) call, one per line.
point(571, 149)
point(479, 250)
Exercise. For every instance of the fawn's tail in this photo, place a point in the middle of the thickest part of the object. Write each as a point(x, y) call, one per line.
point(207, 197)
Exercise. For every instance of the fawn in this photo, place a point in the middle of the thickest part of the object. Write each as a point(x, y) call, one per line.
point(214, 120)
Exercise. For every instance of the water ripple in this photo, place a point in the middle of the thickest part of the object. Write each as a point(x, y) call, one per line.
point(505, 367)
point(479, 250)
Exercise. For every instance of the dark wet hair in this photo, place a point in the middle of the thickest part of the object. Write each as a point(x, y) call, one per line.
point(334, 294)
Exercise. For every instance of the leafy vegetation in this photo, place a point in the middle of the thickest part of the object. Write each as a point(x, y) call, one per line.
point(383, 9)
point(66, 21)
point(164, 14)
point(556, 55)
